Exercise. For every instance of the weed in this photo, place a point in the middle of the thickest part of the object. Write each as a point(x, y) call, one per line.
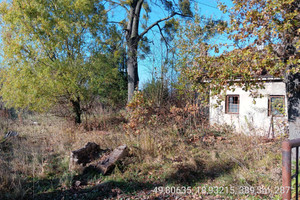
point(35, 164)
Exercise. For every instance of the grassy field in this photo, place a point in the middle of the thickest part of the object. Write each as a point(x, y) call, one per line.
point(163, 163)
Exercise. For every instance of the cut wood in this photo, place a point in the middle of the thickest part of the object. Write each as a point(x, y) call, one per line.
point(90, 152)
point(108, 164)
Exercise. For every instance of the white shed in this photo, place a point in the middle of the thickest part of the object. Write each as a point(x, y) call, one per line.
point(268, 115)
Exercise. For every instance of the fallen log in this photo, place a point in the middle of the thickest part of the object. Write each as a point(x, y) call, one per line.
point(107, 165)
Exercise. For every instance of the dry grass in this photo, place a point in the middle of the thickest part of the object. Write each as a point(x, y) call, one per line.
point(35, 165)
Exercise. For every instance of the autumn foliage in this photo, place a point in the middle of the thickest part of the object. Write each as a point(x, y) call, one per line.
point(181, 115)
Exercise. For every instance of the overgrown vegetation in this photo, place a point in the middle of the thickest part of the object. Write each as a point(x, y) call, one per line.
point(71, 61)
point(35, 165)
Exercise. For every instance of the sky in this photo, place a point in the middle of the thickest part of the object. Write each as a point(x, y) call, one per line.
point(147, 66)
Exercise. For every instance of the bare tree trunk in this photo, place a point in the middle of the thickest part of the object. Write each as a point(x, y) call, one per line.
point(77, 110)
point(293, 91)
point(132, 68)
point(291, 37)
point(133, 38)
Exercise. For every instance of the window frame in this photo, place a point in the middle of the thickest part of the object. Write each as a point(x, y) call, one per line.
point(270, 107)
point(227, 104)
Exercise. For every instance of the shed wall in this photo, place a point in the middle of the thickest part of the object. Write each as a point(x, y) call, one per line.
point(253, 118)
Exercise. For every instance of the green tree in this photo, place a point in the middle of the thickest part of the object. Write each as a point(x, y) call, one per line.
point(57, 51)
point(134, 38)
point(194, 41)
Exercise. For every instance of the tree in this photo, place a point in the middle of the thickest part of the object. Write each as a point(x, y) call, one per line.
point(266, 40)
point(134, 9)
point(57, 52)
point(193, 44)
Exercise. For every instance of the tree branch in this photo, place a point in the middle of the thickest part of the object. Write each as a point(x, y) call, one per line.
point(116, 3)
point(114, 22)
point(129, 25)
point(161, 33)
point(136, 19)
point(157, 22)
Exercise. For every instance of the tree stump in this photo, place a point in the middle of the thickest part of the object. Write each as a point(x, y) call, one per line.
point(90, 152)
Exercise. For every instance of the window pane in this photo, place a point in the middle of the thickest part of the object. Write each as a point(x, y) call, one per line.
point(233, 104)
point(277, 105)
point(233, 108)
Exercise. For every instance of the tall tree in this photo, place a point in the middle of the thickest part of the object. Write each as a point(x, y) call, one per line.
point(57, 51)
point(134, 22)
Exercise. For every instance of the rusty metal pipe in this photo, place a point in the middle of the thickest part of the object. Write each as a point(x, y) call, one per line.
point(297, 171)
point(294, 142)
point(286, 167)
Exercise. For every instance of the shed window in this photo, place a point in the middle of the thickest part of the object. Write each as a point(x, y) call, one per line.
point(232, 104)
point(276, 105)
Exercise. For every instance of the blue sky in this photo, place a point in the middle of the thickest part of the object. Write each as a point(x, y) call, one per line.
point(207, 8)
